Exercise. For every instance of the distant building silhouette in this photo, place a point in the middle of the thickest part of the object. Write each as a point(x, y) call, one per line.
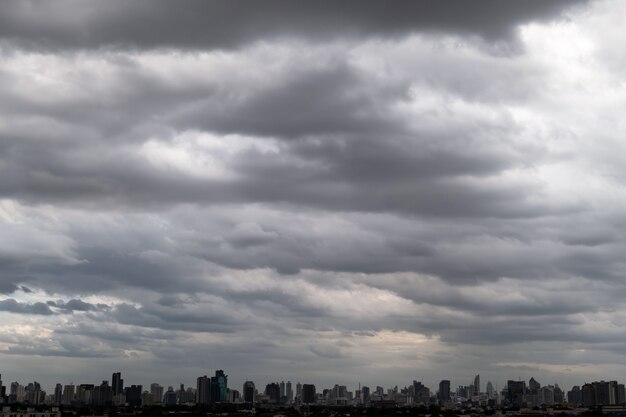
point(117, 383)
point(203, 390)
point(515, 392)
point(444, 390)
point(273, 392)
point(219, 387)
point(309, 395)
point(248, 392)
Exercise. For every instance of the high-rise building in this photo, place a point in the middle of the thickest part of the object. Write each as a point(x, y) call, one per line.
point(289, 392)
point(248, 392)
point(84, 394)
point(283, 392)
point(203, 390)
point(546, 396)
point(219, 387)
point(588, 395)
point(58, 394)
point(516, 390)
point(117, 383)
point(365, 394)
point(133, 395)
point(299, 391)
point(559, 396)
point(444, 390)
point(68, 394)
point(574, 397)
point(533, 386)
point(308, 394)
point(102, 394)
point(14, 393)
point(477, 385)
point(620, 397)
point(605, 392)
point(490, 390)
point(169, 398)
point(273, 392)
point(157, 392)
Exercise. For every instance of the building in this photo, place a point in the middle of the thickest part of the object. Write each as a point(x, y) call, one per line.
point(299, 391)
point(117, 383)
point(170, 397)
point(68, 394)
point(588, 395)
point(545, 396)
point(309, 395)
point(365, 395)
point(605, 392)
point(289, 392)
point(477, 385)
point(444, 390)
point(84, 394)
point(516, 390)
point(29, 412)
point(620, 396)
point(133, 395)
point(574, 397)
point(248, 392)
point(273, 392)
point(219, 387)
point(58, 395)
point(203, 390)
point(490, 390)
point(157, 392)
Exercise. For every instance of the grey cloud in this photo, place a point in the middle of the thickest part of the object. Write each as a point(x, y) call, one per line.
point(174, 319)
point(14, 306)
point(210, 24)
point(80, 305)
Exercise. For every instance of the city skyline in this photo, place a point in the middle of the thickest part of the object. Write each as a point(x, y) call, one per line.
point(233, 382)
point(339, 191)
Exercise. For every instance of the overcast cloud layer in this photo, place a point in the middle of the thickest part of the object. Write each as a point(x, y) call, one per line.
point(316, 191)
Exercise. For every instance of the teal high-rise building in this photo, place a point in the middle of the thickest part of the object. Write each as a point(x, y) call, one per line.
point(219, 387)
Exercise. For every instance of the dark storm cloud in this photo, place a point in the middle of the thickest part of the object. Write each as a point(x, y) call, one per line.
point(14, 306)
point(225, 24)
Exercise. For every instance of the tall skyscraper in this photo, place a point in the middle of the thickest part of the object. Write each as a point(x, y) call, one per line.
point(444, 390)
point(490, 390)
point(133, 395)
point(219, 387)
point(203, 390)
point(273, 392)
point(516, 390)
point(248, 392)
point(299, 391)
point(58, 394)
point(289, 392)
point(283, 392)
point(477, 385)
point(68, 394)
point(157, 392)
point(117, 383)
point(309, 396)
point(169, 398)
point(365, 394)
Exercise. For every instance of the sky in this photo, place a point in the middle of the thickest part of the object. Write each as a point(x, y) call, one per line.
point(317, 191)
